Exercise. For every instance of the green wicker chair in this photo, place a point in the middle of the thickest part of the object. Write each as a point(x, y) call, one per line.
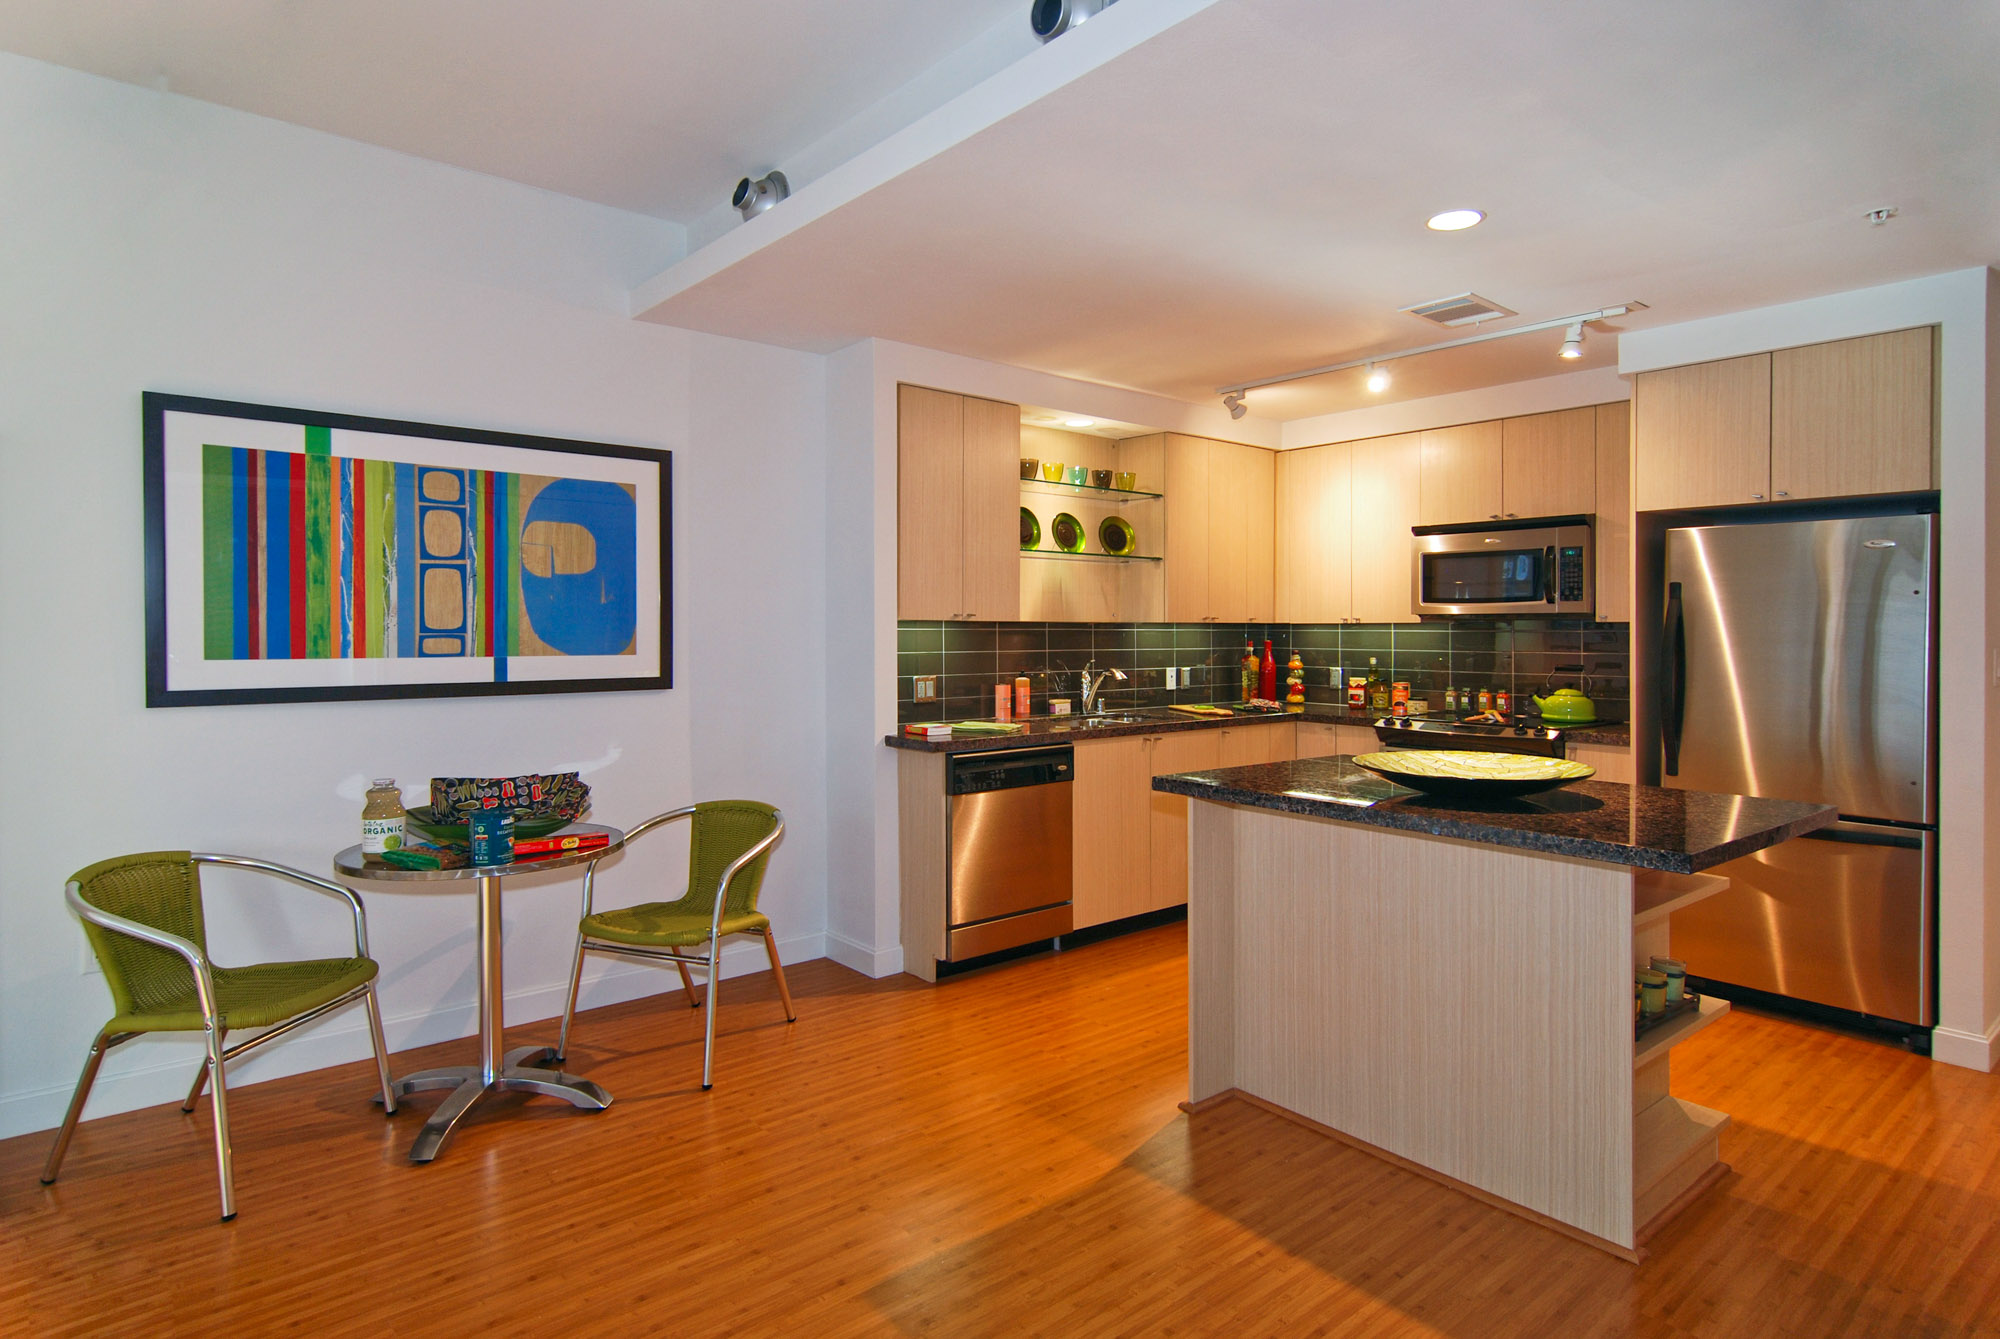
point(730, 847)
point(143, 916)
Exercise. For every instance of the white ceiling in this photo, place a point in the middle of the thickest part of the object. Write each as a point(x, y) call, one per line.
point(1240, 196)
point(657, 106)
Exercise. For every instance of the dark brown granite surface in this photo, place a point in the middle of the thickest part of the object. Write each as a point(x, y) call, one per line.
point(1679, 831)
point(1044, 730)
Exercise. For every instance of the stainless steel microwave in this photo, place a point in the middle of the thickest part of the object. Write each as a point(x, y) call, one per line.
point(1543, 566)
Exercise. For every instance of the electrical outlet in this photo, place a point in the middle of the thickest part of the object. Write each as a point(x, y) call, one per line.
point(1173, 677)
point(924, 688)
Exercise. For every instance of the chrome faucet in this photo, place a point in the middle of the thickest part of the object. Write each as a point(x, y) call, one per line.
point(1092, 682)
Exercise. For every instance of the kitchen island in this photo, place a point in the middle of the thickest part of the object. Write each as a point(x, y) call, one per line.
point(1449, 984)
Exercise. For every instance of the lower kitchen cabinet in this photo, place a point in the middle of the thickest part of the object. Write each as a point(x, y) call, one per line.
point(1317, 739)
point(1189, 751)
point(1613, 762)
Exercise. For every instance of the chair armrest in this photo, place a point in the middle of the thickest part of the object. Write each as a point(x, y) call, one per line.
point(636, 831)
point(762, 845)
point(300, 877)
point(204, 982)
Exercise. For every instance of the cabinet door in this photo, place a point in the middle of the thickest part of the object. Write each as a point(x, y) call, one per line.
point(1548, 464)
point(929, 504)
point(1192, 751)
point(1187, 529)
point(1260, 468)
point(1702, 435)
point(1312, 524)
point(1612, 764)
point(1613, 534)
point(1229, 511)
point(1111, 825)
point(1317, 739)
point(1359, 739)
point(1385, 507)
point(1853, 417)
point(1459, 474)
point(990, 543)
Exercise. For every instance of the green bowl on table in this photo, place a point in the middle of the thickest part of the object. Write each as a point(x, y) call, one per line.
point(1471, 774)
point(447, 833)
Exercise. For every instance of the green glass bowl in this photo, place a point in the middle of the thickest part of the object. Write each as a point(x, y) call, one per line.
point(425, 822)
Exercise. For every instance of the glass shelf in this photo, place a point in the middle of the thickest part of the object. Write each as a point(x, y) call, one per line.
point(1090, 557)
point(1083, 490)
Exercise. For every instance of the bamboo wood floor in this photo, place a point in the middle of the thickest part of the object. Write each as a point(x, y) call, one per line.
point(999, 1155)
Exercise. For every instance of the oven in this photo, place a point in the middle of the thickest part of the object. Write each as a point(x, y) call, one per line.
point(1508, 569)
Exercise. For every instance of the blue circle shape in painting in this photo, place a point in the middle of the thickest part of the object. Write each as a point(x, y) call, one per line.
point(593, 613)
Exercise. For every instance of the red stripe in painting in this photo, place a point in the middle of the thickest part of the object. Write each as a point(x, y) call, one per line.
point(253, 479)
point(296, 551)
point(487, 581)
point(360, 633)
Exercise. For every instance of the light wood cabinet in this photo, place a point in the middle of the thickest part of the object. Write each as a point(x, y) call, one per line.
point(1313, 528)
point(1703, 434)
point(1219, 522)
point(1189, 751)
point(1613, 535)
point(1613, 763)
point(1318, 739)
point(1111, 827)
point(1459, 474)
point(1853, 417)
point(957, 486)
point(1385, 492)
point(1252, 745)
point(1548, 464)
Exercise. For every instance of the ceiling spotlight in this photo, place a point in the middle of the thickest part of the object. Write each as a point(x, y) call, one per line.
point(1052, 18)
point(1573, 341)
point(1378, 379)
point(1233, 402)
point(1454, 220)
point(1079, 422)
point(754, 197)
point(1878, 217)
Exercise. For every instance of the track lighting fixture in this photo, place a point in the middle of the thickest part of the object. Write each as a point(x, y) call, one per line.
point(1573, 341)
point(754, 197)
point(1234, 404)
point(1378, 378)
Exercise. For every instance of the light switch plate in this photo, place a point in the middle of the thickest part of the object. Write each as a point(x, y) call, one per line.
point(1173, 677)
point(924, 688)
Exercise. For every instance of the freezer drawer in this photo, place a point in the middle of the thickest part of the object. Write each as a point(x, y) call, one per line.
point(1840, 917)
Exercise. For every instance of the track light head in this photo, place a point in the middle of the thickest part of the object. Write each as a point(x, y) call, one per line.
point(752, 198)
point(1233, 402)
point(1573, 341)
point(1378, 378)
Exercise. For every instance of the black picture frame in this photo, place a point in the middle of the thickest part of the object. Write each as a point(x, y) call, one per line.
point(650, 467)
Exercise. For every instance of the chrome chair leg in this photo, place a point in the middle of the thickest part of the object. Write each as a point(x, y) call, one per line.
point(778, 970)
point(381, 1045)
point(569, 1008)
point(91, 1060)
point(708, 1038)
point(219, 1106)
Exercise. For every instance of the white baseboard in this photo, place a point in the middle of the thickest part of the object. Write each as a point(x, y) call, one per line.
point(875, 963)
point(154, 1069)
point(1968, 1050)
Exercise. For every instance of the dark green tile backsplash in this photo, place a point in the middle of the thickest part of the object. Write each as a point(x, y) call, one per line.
point(1520, 656)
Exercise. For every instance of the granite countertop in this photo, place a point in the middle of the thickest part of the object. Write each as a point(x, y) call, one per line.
point(1044, 730)
point(1647, 827)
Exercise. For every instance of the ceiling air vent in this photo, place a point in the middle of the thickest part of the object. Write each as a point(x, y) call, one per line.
point(1465, 309)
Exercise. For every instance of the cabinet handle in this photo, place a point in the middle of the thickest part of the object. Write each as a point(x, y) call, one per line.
point(1493, 516)
point(1756, 497)
point(1513, 515)
point(1783, 493)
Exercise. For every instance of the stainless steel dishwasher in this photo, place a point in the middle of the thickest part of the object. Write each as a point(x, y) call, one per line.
point(1009, 820)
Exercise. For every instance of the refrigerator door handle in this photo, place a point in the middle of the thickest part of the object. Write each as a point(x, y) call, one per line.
point(1673, 681)
point(1855, 834)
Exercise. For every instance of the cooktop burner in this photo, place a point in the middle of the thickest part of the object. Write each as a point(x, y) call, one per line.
point(1423, 732)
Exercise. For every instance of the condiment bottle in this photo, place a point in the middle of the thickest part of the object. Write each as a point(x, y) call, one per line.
point(1023, 698)
point(1503, 702)
point(382, 818)
point(1003, 702)
point(1267, 675)
point(1357, 692)
point(1249, 669)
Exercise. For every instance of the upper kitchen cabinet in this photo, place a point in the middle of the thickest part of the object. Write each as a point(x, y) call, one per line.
point(1385, 508)
point(957, 499)
point(1853, 417)
point(1315, 535)
point(1612, 424)
point(1548, 464)
point(1219, 546)
point(1702, 434)
point(1460, 474)
point(1843, 419)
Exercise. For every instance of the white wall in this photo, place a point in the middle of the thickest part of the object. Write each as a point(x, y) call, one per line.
point(1962, 305)
point(157, 243)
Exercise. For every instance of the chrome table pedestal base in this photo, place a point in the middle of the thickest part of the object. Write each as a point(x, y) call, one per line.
point(516, 1074)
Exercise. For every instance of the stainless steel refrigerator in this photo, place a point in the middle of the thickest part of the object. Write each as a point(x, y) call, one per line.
point(1798, 663)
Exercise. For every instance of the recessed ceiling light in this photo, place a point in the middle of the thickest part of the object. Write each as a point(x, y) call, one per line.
point(1378, 379)
point(1079, 422)
point(1453, 220)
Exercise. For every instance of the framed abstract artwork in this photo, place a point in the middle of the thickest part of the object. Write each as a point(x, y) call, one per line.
point(296, 556)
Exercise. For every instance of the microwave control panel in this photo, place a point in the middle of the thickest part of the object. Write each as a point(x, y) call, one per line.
point(1569, 573)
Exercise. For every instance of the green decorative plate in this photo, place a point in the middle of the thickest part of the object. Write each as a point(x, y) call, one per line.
point(1067, 532)
point(1031, 529)
point(425, 822)
point(1115, 533)
point(1472, 774)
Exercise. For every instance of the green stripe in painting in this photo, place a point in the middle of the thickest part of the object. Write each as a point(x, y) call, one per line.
point(319, 550)
point(319, 441)
point(379, 500)
point(218, 605)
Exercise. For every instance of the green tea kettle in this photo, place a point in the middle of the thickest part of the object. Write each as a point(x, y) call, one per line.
point(1567, 706)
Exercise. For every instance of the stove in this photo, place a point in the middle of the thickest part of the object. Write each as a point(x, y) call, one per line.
point(1423, 732)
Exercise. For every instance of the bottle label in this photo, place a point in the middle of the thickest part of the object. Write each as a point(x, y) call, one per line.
point(381, 834)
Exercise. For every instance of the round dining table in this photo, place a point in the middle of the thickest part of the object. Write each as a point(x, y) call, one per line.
point(515, 1071)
